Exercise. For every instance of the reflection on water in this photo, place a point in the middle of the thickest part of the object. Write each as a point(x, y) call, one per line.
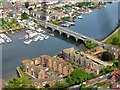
point(99, 23)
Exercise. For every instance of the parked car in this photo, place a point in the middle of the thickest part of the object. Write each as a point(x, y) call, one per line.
point(100, 77)
point(87, 81)
point(91, 83)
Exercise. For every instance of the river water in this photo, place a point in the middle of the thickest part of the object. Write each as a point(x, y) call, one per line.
point(98, 25)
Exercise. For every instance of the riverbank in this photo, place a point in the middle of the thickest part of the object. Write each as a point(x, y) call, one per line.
point(105, 39)
point(110, 39)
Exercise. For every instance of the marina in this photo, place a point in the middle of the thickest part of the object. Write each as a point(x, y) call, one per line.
point(96, 25)
point(4, 38)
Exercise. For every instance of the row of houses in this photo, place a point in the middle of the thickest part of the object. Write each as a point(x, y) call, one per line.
point(81, 60)
point(58, 65)
point(44, 68)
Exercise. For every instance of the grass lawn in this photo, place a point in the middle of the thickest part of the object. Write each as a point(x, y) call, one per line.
point(101, 85)
point(110, 39)
point(55, 22)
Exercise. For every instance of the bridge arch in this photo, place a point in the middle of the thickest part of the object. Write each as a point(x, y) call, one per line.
point(72, 37)
point(49, 28)
point(81, 41)
point(64, 34)
point(56, 31)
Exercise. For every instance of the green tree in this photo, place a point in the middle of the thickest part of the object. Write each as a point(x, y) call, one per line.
point(13, 3)
point(24, 16)
point(15, 79)
point(26, 4)
point(77, 76)
point(106, 56)
point(11, 81)
point(47, 85)
point(30, 9)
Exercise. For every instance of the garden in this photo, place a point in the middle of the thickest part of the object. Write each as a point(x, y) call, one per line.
point(10, 24)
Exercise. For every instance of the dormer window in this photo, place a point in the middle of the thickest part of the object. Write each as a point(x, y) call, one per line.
point(74, 58)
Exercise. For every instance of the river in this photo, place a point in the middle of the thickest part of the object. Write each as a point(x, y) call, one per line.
point(98, 25)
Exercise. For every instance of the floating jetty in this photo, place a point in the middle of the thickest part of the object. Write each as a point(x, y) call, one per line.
point(19, 74)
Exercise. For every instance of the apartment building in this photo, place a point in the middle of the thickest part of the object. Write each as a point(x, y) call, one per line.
point(81, 60)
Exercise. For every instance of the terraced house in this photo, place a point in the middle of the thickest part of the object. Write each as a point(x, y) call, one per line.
point(81, 60)
point(43, 68)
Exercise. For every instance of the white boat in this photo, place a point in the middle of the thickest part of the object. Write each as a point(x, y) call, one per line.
point(36, 39)
point(2, 40)
point(28, 41)
point(79, 17)
point(43, 31)
point(41, 38)
point(46, 37)
point(42, 35)
point(12, 32)
point(28, 31)
point(32, 34)
point(65, 24)
point(26, 36)
point(90, 11)
point(9, 40)
point(39, 30)
point(71, 23)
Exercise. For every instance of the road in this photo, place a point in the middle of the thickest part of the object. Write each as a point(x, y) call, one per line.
point(97, 60)
point(95, 80)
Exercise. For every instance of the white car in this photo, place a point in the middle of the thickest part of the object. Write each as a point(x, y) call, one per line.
point(107, 74)
point(100, 77)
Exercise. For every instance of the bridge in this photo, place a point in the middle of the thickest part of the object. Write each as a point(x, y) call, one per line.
point(76, 36)
point(67, 32)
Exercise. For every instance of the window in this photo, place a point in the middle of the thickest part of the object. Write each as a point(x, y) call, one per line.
point(92, 64)
point(79, 61)
point(74, 58)
point(84, 63)
point(69, 55)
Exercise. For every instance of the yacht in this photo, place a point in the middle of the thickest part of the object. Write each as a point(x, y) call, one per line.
point(46, 37)
point(37, 38)
point(28, 41)
point(65, 25)
point(28, 31)
point(71, 23)
point(9, 40)
point(79, 17)
point(26, 36)
point(2, 40)
point(39, 30)
point(32, 34)
point(41, 38)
